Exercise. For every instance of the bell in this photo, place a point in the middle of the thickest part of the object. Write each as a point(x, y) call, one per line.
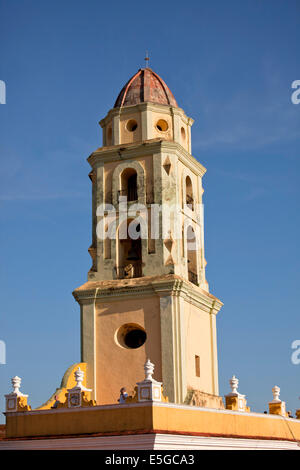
point(132, 255)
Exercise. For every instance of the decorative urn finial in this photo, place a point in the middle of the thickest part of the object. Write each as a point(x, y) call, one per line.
point(234, 383)
point(16, 401)
point(276, 393)
point(149, 389)
point(149, 370)
point(16, 383)
point(79, 375)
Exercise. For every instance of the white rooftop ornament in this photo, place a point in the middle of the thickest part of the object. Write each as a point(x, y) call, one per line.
point(149, 370)
point(75, 393)
point(277, 406)
point(234, 383)
point(16, 400)
point(276, 393)
point(16, 383)
point(79, 376)
point(149, 389)
point(234, 399)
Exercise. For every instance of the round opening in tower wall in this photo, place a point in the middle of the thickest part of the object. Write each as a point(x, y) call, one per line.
point(131, 125)
point(162, 125)
point(130, 336)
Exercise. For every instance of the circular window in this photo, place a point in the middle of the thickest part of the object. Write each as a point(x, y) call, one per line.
point(135, 339)
point(162, 125)
point(131, 125)
point(131, 336)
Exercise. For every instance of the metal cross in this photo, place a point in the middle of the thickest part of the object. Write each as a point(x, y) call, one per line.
point(147, 59)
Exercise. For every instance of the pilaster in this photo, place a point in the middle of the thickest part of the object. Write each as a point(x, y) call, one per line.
point(88, 341)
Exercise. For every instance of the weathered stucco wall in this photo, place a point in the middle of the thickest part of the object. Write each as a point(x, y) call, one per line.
point(118, 366)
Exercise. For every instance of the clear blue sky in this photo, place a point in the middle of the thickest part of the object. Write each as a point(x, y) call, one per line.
point(230, 66)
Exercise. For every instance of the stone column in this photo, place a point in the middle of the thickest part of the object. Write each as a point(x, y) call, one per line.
point(147, 125)
point(173, 348)
point(116, 130)
point(88, 339)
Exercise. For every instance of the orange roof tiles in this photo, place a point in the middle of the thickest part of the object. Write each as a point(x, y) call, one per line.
point(145, 86)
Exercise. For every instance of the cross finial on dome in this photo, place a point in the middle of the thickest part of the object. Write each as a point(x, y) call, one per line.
point(147, 59)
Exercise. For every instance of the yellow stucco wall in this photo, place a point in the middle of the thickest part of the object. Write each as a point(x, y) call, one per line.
point(151, 417)
point(78, 422)
point(224, 423)
point(168, 134)
point(198, 332)
point(118, 366)
point(125, 135)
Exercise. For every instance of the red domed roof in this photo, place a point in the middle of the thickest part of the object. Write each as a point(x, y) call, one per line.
point(144, 86)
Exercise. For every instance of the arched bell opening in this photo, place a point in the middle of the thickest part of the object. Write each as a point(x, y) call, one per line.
point(129, 184)
point(189, 192)
point(129, 253)
point(192, 255)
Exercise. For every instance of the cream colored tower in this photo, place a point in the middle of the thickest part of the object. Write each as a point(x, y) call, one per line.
point(148, 298)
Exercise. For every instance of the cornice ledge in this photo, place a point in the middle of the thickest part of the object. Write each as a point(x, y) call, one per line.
point(191, 293)
point(118, 292)
point(169, 285)
point(182, 153)
point(105, 154)
point(147, 105)
point(201, 298)
point(216, 307)
point(128, 150)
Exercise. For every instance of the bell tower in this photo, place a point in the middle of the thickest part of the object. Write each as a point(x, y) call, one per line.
point(146, 294)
